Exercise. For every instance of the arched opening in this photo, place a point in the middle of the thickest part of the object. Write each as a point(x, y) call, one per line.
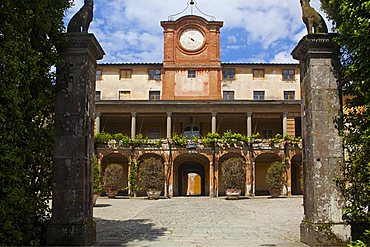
point(191, 175)
point(296, 175)
point(115, 158)
point(221, 187)
point(194, 185)
point(262, 163)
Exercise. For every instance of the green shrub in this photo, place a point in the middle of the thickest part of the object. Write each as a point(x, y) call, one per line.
point(233, 173)
point(102, 138)
point(151, 174)
point(275, 177)
point(179, 140)
point(112, 179)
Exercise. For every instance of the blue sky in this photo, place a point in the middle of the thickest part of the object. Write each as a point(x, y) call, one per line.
point(254, 30)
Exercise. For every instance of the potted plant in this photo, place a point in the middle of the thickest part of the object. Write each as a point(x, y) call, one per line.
point(112, 180)
point(276, 142)
point(97, 187)
point(151, 177)
point(275, 178)
point(233, 174)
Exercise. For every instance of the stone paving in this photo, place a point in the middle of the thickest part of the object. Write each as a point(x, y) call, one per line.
point(198, 222)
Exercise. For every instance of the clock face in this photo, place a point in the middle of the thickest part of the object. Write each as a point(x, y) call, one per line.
point(191, 39)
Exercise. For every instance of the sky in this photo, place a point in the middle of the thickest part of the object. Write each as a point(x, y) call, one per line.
point(254, 31)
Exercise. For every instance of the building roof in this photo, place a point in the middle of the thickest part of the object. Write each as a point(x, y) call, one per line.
point(222, 64)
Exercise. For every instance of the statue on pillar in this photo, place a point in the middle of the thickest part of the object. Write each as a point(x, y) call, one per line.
point(315, 23)
point(80, 22)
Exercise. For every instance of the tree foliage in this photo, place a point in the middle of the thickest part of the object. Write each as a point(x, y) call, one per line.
point(30, 34)
point(352, 23)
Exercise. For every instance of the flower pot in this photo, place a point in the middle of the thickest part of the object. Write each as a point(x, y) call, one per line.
point(95, 197)
point(233, 194)
point(274, 192)
point(153, 194)
point(112, 193)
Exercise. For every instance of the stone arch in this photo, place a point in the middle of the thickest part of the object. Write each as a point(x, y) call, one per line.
point(221, 187)
point(185, 164)
point(151, 155)
point(262, 163)
point(117, 158)
point(296, 174)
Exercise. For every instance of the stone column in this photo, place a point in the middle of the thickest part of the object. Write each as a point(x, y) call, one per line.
point(97, 122)
point(214, 122)
point(133, 125)
point(211, 179)
point(322, 146)
point(249, 123)
point(248, 184)
point(169, 123)
point(285, 123)
point(72, 210)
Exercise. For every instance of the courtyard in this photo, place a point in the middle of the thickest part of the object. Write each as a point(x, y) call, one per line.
point(198, 221)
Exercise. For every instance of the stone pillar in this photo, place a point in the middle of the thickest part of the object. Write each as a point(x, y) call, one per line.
point(169, 123)
point(322, 146)
point(133, 125)
point(214, 122)
point(249, 123)
point(285, 123)
point(97, 122)
point(72, 210)
point(211, 179)
point(248, 184)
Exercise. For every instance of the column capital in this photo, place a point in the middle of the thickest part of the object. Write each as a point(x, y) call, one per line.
point(249, 114)
point(97, 114)
point(169, 114)
point(133, 114)
point(214, 114)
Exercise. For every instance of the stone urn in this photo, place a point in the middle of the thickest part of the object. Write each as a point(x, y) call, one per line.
point(111, 193)
point(153, 194)
point(275, 192)
point(233, 194)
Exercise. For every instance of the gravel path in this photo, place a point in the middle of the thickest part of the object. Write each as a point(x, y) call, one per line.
point(198, 222)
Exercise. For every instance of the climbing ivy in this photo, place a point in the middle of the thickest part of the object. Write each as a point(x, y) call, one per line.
point(30, 36)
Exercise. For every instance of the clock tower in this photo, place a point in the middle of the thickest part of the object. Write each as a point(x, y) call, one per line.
point(192, 66)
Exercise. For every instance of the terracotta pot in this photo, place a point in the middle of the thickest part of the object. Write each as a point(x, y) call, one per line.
point(153, 194)
point(112, 193)
point(233, 194)
point(275, 193)
point(95, 197)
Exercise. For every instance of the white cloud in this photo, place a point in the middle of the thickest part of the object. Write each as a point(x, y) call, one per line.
point(130, 31)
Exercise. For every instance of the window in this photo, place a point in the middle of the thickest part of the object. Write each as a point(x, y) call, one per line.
point(288, 74)
point(191, 131)
point(192, 74)
point(125, 74)
point(154, 95)
point(258, 73)
point(155, 74)
point(289, 95)
point(228, 95)
point(99, 75)
point(97, 95)
point(267, 134)
point(124, 95)
point(228, 74)
point(154, 134)
point(258, 95)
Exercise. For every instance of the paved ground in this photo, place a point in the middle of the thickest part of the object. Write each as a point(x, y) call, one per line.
point(198, 222)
